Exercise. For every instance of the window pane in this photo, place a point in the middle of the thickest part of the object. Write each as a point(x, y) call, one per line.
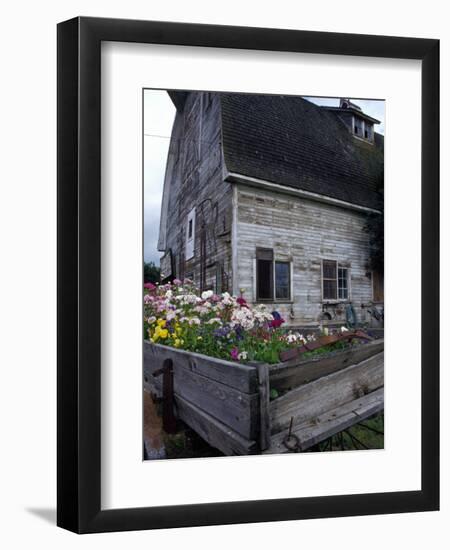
point(343, 283)
point(329, 289)
point(264, 279)
point(282, 280)
point(329, 269)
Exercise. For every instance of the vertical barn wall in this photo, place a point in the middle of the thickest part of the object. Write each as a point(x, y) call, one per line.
point(194, 179)
point(303, 232)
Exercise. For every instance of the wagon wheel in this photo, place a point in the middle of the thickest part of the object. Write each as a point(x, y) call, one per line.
point(355, 437)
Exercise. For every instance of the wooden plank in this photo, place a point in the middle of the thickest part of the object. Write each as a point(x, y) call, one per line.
point(315, 398)
point(264, 404)
point(293, 373)
point(215, 433)
point(322, 341)
point(332, 422)
point(241, 377)
point(239, 411)
point(151, 364)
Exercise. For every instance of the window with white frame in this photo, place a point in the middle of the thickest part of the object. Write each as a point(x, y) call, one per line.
point(335, 281)
point(273, 277)
point(190, 235)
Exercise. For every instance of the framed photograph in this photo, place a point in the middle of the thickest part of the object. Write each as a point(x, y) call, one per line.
point(248, 254)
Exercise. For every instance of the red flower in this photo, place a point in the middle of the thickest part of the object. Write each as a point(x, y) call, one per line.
point(276, 323)
point(242, 301)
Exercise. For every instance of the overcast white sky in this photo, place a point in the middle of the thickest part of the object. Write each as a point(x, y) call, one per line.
point(159, 114)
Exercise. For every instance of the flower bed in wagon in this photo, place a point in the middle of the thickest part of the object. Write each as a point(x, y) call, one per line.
point(228, 359)
point(221, 326)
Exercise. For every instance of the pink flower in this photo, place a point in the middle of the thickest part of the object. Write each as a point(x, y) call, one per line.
point(234, 354)
point(177, 282)
point(149, 286)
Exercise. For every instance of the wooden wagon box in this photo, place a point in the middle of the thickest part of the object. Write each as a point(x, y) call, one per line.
point(228, 404)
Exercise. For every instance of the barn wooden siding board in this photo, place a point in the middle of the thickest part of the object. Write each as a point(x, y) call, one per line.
point(194, 179)
point(305, 232)
point(311, 400)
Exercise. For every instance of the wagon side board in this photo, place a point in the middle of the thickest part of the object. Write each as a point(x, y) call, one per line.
point(311, 400)
point(292, 373)
point(330, 423)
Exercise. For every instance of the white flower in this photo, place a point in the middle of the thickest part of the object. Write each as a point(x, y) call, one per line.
point(207, 294)
point(227, 299)
point(169, 294)
point(243, 317)
point(242, 356)
point(194, 321)
point(214, 320)
point(344, 329)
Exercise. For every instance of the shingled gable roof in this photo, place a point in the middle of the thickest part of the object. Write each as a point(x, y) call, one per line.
point(290, 141)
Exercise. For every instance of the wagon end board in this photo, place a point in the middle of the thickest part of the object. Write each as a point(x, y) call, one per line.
point(226, 392)
point(217, 434)
point(240, 377)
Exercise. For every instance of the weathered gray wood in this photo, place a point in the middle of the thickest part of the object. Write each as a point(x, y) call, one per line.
point(237, 410)
point(264, 404)
point(293, 373)
point(241, 377)
point(151, 384)
point(315, 398)
point(194, 179)
point(300, 231)
point(330, 423)
point(216, 433)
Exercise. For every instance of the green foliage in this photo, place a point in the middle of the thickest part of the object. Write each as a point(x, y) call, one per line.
point(151, 273)
point(374, 227)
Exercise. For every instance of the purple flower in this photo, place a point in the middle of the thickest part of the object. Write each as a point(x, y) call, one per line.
point(221, 332)
point(234, 354)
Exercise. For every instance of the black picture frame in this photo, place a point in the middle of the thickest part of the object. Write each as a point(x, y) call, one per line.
point(79, 282)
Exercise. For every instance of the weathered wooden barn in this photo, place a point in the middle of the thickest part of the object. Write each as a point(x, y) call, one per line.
point(267, 196)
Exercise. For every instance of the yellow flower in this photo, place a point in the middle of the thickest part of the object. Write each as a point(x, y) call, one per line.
point(161, 323)
point(163, 333)
point(199, 338)
point(177, 343)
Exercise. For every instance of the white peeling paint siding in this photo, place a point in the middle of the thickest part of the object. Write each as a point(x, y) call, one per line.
point(304, 232)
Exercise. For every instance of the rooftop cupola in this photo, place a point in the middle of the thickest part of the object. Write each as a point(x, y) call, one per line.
point(359, 123)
